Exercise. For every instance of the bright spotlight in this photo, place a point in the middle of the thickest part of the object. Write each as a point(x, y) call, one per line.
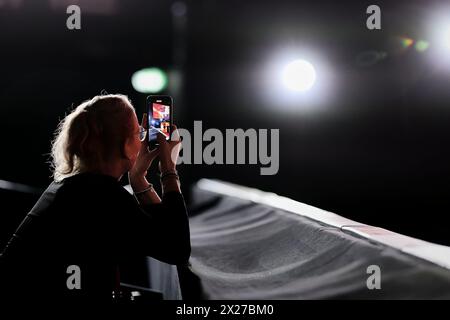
point(446, 36)
point(149, 80)
point(438, 33)
point(296, 80)
point(299, 75)
point(439, 29)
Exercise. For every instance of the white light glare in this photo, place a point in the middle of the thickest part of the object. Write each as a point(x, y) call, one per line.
point(446, 36)
point(440, 31)
point(299, 75)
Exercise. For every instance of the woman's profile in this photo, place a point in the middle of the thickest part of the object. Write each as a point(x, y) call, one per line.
point(85, 220)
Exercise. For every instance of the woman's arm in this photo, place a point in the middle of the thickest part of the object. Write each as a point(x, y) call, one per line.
point(169, 228)
point(161, 228)
point(170, 183)
point(168, 152)
point(140, 183)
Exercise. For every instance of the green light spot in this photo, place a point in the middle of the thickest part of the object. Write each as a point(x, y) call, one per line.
point(422, 45)
point(149, 80)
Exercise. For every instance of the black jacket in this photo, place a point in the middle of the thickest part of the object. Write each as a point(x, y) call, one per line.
point(91, 221)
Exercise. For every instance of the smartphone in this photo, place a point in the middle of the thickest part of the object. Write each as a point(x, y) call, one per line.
point(160, 117)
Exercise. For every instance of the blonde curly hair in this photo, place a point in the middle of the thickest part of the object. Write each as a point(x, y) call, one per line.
point(94, 132)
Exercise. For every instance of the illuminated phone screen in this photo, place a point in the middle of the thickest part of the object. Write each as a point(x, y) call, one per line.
point(159, 120)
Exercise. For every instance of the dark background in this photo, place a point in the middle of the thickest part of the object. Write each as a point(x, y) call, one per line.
point(372, 147)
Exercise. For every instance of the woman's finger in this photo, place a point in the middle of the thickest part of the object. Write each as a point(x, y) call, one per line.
point(160, 137)
point(144, 146)
point(175, 135)
point(154, 153)
point(144, 121)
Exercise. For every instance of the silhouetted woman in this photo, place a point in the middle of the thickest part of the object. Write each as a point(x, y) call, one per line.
point(86, 223)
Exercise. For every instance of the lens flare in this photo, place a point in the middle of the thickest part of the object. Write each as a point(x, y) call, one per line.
point(422, 45)
point(406, 42)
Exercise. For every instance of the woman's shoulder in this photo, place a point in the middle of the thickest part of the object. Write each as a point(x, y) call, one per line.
point(92, 186)
point(88, 177)
point(86, 184)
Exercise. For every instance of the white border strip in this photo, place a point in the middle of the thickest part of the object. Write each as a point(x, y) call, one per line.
point(18, 187)
point(435, 253)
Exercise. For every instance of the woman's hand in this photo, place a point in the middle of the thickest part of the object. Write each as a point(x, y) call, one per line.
point(144, 160)
point(168, 157)
point(169, 150)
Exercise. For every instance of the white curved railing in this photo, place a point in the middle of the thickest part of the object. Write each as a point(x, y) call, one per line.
point(437, 254)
